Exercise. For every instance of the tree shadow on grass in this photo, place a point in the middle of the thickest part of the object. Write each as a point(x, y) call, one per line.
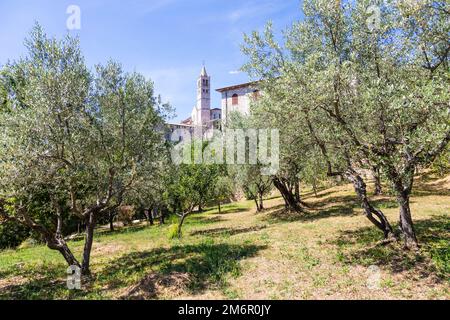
point(232, 210)
point(433, 258)
point(339, 206)
point(123, 230)
point(437, 188)
point(193, 220)
point(204, 265)
point(320, 194)
point(36, 283)
point(226, 231)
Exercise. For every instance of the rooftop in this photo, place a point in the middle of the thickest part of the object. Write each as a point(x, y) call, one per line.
point(238, 86)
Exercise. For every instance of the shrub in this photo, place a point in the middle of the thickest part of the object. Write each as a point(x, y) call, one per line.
point(173, 231)
point(12, 234)
point(126, 214)
point(441, 166)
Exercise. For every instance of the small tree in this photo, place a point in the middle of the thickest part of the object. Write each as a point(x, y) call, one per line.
point(254, 185)
point(194, 184)
point(223, 190)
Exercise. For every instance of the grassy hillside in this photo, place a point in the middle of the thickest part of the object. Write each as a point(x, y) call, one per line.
point(323, 254)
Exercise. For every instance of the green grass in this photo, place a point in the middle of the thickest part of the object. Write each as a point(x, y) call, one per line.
point(433, 234)
point(207, 261)
point(239, 254)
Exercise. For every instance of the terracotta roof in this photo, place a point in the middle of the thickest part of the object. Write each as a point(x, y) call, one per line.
point(179, 125)
point(238, 86)
point(187, 121)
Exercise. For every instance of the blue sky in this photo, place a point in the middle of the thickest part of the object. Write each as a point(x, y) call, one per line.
point(166, 40)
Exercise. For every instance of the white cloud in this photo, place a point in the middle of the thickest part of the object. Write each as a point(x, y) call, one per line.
point(234, 72)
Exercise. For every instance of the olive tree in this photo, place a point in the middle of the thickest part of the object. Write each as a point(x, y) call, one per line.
point(369, 97)
point(223, 190)
point(87, 138)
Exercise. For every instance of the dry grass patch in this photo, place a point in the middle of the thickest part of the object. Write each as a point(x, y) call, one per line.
point(323, 253)
point(157, 285)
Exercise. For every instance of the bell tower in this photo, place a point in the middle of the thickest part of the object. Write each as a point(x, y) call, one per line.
point(203, 98)
point(204, 90)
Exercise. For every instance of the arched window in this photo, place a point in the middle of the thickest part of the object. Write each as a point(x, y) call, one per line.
point(235, 100)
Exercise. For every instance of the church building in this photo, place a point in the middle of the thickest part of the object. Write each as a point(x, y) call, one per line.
point(238, 98)
point(235, 98)
point(202, 115)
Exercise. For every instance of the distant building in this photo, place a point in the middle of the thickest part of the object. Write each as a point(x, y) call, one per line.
point(238, 98)
point(202, 116)
point(235, 98)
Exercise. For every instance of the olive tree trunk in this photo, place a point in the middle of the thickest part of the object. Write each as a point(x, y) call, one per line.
point(111, 221)
point(406, 222)
point(59, 244)
point(377, 178)
point(374, 215)
point(89, 239)
point(68, 255)
point(403, 184)
point(261, 202)
point(180, 225)
point(289, 198)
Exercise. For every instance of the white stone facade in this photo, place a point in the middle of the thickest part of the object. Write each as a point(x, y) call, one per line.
point(238, 99)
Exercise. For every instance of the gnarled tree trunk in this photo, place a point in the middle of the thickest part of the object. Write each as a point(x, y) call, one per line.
point(289, 198)
point(257, 204)
point(406, 222)
point(90, 227)
point(297, 191)
point(162, 216)
point(375, 216)
point(68, 255)
point(149, 215)
point(403, 184)
point(60, 245)
point(54, 240)
point(182, 219)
